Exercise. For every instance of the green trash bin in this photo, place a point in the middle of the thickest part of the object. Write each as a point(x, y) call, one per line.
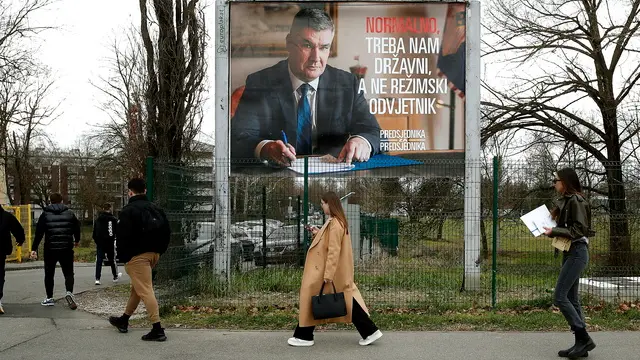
point(383, 229)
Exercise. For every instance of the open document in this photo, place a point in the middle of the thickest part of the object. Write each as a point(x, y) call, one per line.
point(320, 165)
point(537, 219)
point(540, 218)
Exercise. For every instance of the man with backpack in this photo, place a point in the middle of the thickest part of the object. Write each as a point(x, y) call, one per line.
point(104, 235)
point(143, 234)
point(8, 225)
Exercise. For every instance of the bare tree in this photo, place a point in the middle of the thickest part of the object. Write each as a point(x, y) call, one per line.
point(176, 72)
point(123, 137)
point(583, 45)
point(31, 113)
point(16, 31)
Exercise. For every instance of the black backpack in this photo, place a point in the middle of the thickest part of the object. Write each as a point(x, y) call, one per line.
point(152, 220)
point(155, 227)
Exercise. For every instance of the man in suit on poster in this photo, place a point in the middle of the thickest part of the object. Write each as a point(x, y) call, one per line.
point(302, 106)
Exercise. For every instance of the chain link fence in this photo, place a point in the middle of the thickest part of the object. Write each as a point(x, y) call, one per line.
point(407, 229)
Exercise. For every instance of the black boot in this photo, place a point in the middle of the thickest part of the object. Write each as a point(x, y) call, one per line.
point(584, 344)
point(120, 323)
point(565, 353)
point(156, 334)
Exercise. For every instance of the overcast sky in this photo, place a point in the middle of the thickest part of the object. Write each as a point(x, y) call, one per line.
point(77, 51)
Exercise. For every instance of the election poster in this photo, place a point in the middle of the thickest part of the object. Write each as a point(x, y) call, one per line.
point(366, 84)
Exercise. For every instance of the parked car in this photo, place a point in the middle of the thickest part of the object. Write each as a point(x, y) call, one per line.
point(255, 233)
point(271, 223)
point(282, 247)
point(242, 247)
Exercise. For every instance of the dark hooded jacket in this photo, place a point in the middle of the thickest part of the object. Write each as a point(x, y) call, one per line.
point(9, 225)
point(59, 226)
point(104, 230)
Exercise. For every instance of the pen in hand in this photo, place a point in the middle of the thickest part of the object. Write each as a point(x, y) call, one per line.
point(286, 142)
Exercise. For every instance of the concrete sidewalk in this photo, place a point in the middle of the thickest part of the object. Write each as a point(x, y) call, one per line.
point(74, 335)
point(30, 331)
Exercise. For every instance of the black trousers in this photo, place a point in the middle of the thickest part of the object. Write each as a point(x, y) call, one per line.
point(51, 258)
point(2, 273)
point(108, 253)
point(360, 320)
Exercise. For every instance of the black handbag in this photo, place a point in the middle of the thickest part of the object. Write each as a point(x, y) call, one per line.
point(327, 306)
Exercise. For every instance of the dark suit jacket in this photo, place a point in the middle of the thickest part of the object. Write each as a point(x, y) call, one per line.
point(267, 106)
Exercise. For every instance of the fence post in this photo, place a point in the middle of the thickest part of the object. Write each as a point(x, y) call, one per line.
point(300, 253)
point(149, 176)
point(305, 206)
point(494, 250)
point(264, 227)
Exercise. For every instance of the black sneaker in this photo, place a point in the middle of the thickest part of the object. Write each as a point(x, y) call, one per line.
point(155, 335)
point(119, 323)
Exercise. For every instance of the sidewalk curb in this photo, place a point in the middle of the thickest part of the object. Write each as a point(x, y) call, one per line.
point(8, 266)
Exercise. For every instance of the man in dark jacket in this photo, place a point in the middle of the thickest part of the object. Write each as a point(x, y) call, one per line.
point(104, 235)
point(143, 235)
point(61, 229)
point(8, 225)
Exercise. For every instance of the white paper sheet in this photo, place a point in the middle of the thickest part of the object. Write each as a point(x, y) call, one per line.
point(320, 165)
point(537, 219)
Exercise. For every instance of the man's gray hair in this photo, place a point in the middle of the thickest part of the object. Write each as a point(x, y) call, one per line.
point(315, 19)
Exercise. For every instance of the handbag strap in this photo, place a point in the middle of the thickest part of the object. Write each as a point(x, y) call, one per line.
point(335, 295)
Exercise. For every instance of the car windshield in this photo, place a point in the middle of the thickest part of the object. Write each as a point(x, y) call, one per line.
point(284, 234)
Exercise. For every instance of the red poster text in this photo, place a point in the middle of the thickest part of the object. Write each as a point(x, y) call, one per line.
point(414, 25)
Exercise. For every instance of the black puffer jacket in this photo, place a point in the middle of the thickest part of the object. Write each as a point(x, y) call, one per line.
point(59, 226)
point(9, 225)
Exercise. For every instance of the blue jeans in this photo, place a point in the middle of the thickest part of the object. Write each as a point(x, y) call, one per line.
point(566, 293)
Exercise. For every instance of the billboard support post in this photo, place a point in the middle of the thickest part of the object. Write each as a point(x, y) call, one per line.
point(472, 149)
point(221, 168)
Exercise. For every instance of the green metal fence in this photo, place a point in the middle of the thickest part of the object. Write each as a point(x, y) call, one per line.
point(408, 234)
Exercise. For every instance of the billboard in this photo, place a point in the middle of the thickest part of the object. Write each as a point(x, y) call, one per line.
point(354, 85)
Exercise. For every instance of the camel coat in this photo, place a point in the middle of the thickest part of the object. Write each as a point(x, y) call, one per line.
point(329, 257)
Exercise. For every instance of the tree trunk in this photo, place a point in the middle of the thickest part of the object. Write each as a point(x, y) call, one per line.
point(484, 251)
point(246, 198)
point(441, 221)
point(619, 239)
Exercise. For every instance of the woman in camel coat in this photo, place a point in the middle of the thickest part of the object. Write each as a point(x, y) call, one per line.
point(330, 260)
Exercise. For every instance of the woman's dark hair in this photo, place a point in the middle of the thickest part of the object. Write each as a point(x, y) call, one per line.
point(570, 180)
point(571, 183)
point(335, 208)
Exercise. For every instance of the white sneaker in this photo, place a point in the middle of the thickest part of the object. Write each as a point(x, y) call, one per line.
point(47, 302)
point(299, 342)
point(371, 338)
point(115, 280)
point(71, 301)
point(1, 309)
point(97, 282)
